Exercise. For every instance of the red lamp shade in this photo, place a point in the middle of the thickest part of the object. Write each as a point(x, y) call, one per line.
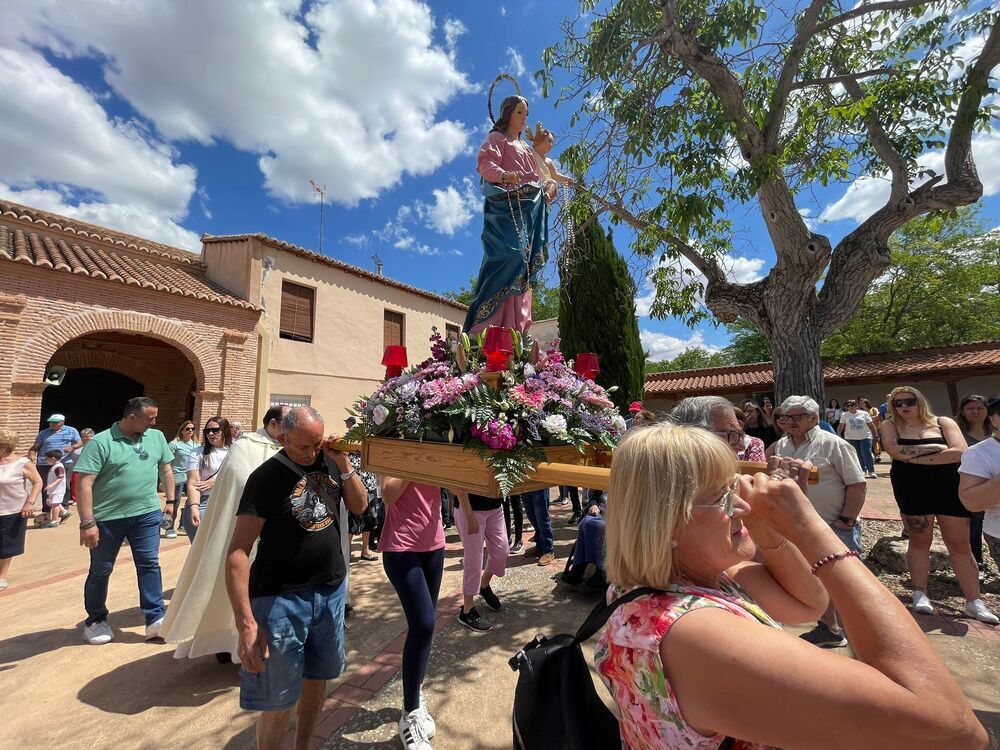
point(586, 365)
point(394, 360)
point(498, 345)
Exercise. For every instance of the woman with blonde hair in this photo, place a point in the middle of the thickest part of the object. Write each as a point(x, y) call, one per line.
point(17, 502)
point(926, 451)
point(702, 663)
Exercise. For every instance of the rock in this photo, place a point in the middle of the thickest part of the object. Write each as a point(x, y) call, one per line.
point(890, 552)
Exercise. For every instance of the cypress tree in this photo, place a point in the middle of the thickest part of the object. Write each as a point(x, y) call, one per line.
point(597, 313)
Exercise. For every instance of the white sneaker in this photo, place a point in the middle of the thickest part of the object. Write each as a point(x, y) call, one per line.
point(412, 732)
point(921, 603)
point(977, 608)
point(3, 584)
point(153, 629)
point(98, 633)
point(425, 718)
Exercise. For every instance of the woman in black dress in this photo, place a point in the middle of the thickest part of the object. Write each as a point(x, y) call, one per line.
point(926, 451)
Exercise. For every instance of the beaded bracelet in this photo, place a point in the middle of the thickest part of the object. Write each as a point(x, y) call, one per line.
point(831, 558)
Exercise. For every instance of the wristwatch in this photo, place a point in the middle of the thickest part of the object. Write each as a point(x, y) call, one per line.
point(348, 475)
point(847, 521)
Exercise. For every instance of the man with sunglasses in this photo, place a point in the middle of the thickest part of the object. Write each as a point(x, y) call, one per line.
point(838, 496)
point(117, 500)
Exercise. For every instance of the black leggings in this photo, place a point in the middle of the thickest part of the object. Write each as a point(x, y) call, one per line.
point(416, 576)
point(512, 506)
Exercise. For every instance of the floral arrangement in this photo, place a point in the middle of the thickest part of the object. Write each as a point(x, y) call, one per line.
point(540, 401)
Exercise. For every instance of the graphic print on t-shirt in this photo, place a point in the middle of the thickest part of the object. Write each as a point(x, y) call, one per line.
point(857, 424)
point(309, 501)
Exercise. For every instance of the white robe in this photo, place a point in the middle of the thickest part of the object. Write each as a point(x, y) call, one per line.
point(200, 618)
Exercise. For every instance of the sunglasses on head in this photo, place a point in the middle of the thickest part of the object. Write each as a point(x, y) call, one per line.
point(898, 402)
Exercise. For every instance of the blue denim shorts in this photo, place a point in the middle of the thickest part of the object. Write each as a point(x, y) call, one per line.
point(850, 537)
point(305, 641)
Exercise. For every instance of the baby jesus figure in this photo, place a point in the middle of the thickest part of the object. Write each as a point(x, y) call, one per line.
point(541, 143)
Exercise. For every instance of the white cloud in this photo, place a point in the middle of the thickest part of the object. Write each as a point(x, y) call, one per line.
point(516, 62)
point(62, 152)
point(453, 29)
point(358, 240)
point(347, 93)
point(397, 233)
point(740, 269)
point(503, 11)
point(868, 193)
point(662, 346)
point(452, 208)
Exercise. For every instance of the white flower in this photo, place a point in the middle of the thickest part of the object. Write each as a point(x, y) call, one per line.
point(529, 371)
point(379, 414)
point(618, 422)
point(409, 390)
point(554, 424)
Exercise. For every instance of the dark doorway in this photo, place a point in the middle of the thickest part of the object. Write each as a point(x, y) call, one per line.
point(90, 397)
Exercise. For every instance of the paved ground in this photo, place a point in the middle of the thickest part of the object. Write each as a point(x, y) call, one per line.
point(55, 691)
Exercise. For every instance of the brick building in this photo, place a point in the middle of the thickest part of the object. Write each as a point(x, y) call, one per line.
point(125, 317)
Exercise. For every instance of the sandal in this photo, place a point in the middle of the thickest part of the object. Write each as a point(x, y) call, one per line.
point(369, 557)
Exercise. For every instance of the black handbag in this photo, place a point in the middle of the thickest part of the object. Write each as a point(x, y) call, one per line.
point(556, 706)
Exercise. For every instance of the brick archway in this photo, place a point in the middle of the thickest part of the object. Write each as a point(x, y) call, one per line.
point(38, 351)
point(126, 366)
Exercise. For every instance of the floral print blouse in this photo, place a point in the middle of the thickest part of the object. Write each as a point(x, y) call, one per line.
point(628, 659)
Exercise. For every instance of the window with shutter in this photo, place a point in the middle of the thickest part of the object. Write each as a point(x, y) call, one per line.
point(296, 312)
point(393, 334)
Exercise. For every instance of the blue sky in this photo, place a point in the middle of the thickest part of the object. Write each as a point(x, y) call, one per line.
point(177, 118)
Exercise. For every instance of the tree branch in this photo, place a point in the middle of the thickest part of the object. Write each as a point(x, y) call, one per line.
point(842, 78)
point(685, 47)
point(883, 146)
point(786, 79)
point(890, 6)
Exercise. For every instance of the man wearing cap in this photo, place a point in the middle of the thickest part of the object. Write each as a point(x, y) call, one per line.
point(57, 436)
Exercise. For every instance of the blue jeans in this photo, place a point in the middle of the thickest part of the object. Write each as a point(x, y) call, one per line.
point(189, 527)
point(864, 450)
point(536, 506)
point(143, 535)
point(850, 537)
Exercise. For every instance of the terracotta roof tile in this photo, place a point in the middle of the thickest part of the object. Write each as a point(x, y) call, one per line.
point(87, 231)
point(131, 264)
point(332, 263)
point(759, 376)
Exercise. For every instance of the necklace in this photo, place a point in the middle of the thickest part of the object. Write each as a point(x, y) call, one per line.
point(520, 228)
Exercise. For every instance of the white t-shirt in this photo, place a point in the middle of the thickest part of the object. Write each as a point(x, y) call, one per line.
point(983, 460)
point(210, 466)
point(856, 425)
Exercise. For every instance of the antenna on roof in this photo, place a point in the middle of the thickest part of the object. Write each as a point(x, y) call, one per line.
point(321, 189)
point(378, 265)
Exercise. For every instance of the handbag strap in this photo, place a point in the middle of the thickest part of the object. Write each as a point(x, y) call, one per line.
point(596, 619)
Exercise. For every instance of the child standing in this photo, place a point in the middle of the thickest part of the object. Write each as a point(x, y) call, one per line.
point(56, 489)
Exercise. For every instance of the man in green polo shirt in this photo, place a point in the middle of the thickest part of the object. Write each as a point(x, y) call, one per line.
point(117, 500)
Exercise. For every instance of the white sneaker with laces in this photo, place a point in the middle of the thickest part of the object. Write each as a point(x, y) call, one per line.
point(98, 633)
point(921, 603)
point(429, 726)
point(977, 609)
point(412, 733)
point(153, 629)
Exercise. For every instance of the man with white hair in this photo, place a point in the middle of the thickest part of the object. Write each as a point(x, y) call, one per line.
point(838, 496)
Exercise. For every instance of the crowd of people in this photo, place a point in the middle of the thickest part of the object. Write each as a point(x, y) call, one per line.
point(267, 581)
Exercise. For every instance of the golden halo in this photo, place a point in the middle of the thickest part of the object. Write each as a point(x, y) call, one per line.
point(489, 98)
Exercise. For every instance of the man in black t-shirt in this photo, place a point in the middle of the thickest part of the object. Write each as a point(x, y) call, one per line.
point(289, 605)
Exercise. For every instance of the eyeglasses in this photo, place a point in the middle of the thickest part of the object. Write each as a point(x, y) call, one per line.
point(898, 402)
point(212, 430)
point(141, 452)
point(795, 417)
point(725, 501)
point(187, 429)
point(730, 436)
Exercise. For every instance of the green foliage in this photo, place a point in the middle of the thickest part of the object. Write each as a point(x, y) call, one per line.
point(692, 358)
point(597, 313)
point(544, 299)
point(943, 288)
point(667, 142)
point(747, 345)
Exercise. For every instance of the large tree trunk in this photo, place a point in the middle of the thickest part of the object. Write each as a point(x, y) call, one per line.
point(798, 370)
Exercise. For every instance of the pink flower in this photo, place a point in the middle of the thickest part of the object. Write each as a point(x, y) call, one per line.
point(496, 435)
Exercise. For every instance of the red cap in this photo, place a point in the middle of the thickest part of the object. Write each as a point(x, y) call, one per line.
point(635, 406)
